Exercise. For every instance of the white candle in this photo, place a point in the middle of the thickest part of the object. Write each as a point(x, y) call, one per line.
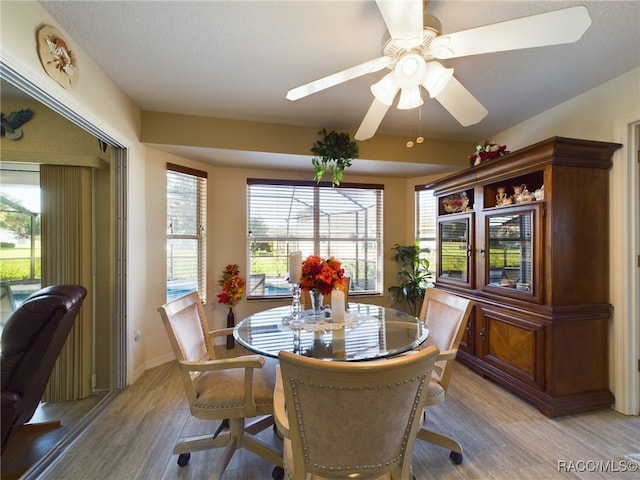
point(337, 306)
point(337, 344)
point(295, 266)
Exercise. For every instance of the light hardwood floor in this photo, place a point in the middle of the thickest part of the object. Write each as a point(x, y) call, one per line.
point(503, 437)
point(29, 446)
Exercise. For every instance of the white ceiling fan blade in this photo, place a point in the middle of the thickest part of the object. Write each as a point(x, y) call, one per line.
point(372, 120)
point(403, 20)
point(552, 28)
point(459, 102)
point(371, 66)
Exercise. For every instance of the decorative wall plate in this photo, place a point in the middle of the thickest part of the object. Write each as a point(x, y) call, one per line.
point(57, 58)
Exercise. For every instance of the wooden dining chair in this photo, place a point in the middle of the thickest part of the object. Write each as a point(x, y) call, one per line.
point(334, 416)
point(229, 390)
point(445, 315)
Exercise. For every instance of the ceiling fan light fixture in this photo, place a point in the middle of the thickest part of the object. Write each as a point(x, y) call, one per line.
point(385, 90)
point(436, 78)
point(410, 70)
point(410, 98)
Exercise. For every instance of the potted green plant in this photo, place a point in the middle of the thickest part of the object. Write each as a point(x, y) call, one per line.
point(333, 153)
point(414, 276)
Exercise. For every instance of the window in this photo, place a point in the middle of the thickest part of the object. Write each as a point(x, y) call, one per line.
point(20, 234)
point(344, 222)
point(186, 231)
point(426, 223)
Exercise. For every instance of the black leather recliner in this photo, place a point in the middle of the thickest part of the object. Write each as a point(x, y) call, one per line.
point(32, 340)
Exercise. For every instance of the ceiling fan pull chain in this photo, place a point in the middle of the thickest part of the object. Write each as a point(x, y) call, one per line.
point(420, 138)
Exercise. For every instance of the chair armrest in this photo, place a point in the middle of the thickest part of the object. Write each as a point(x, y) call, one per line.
point(279, 411)
point(246, 361)
point(221, 332)
point(11, 399)
point(447, 355)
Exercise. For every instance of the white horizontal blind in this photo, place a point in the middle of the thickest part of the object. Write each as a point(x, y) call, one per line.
point(186, 231)
point(426, 223)
point(344, 222)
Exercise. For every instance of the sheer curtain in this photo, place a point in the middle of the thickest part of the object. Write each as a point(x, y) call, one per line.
point(67, 257)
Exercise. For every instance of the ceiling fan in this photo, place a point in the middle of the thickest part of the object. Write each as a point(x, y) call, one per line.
point(415, 45)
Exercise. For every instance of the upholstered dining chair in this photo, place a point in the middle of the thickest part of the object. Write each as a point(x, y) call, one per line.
point(230, 389)
point(334, 416)
point(32, 340)
point(445, 315)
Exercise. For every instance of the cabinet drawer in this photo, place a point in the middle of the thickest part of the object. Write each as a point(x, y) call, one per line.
point(514, 345)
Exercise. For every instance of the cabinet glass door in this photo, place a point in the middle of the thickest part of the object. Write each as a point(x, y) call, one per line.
point(454, 250)
point(510, 250)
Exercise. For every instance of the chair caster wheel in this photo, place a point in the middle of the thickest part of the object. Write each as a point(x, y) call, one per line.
point(183, 459)
point(277, 473)
point(456, 457)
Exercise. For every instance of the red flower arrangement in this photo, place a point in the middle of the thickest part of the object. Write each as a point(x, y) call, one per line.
point(487, 151)
point(232, 285)
point(324, 275)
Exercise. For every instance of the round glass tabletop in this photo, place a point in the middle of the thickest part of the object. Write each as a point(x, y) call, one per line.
point(368, 332)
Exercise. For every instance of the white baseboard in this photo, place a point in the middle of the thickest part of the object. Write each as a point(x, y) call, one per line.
point(169, 357)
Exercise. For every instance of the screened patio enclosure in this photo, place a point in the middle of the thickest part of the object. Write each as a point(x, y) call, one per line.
point(343, 222)
point(19, 255)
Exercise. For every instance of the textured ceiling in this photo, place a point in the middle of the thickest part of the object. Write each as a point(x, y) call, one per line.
point(238, 59)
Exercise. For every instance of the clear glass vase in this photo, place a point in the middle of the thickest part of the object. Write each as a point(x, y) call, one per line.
point(316, 300)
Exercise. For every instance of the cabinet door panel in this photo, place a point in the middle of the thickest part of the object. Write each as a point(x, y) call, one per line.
point(455, 238)
point(467, 343)
point(512, 251)
point(513, 345)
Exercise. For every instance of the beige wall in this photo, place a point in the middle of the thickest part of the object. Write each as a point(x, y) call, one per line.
point(227, 190)
point(589, 116)
point(173, 129)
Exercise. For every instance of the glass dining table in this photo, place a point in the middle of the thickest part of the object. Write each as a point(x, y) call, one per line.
point(368, 332)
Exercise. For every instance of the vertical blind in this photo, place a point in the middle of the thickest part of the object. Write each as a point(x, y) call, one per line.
point(426, 223)
point(186, 231)
point(344, 222)
point(68, 249)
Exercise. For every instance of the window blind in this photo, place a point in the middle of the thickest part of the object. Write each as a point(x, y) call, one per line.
point(344, 222)
point(426, 223)
point(186, 231)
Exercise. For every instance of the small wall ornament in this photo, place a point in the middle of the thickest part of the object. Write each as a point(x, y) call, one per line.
point(12, 122)
point(56, 57)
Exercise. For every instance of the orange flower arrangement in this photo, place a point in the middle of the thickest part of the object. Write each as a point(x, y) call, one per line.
point(324, 275)
point(232, 285)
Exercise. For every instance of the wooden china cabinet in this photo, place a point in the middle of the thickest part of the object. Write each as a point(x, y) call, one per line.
point(537, 267)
